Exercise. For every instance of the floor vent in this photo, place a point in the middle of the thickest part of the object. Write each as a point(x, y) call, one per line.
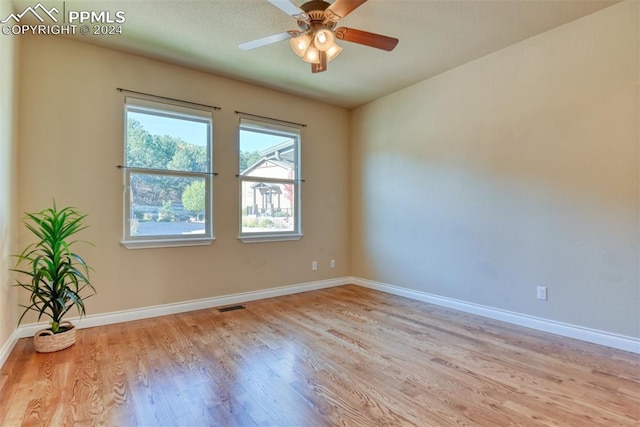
point(231, 308)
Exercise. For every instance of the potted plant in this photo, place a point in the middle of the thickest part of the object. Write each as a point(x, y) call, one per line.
point(57, 276)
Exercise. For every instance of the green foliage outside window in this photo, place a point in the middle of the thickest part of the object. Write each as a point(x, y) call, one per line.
point(193, 198)
point(248, 159)
point(161, 152)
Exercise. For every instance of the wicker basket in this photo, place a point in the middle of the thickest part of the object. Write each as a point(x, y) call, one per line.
point(46, 341)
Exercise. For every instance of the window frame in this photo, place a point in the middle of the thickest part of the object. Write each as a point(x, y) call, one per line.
point(175, 111)
point(272, 128)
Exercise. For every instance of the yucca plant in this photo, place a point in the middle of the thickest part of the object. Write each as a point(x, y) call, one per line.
point(57, 276)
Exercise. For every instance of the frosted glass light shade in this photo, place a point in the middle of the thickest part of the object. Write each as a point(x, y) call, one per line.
point(333, 51)
point(323, 39)
point(312, 55)
point(300, 44)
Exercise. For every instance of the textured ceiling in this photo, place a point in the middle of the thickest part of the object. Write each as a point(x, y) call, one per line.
point(435, 36)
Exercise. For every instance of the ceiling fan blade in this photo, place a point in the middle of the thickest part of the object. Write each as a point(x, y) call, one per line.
point(290, 9)
point(267, 40)
point(342, 8)
point(368, 39)
point(322, 65)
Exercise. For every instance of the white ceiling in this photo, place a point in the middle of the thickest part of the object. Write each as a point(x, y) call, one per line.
point(435, 36)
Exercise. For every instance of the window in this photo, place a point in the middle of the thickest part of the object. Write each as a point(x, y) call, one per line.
point(269, 181)
point(167, 175)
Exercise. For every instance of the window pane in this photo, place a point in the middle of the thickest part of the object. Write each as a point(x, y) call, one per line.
point(165, 141)
point(163, 205)
point(269, 188)
point(267, 207)
point(267, 155)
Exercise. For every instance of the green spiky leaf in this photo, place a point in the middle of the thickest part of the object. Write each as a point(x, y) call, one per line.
point(56, 276)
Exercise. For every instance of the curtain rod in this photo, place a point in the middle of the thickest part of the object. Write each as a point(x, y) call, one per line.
point(271, 118)
point(167, 98)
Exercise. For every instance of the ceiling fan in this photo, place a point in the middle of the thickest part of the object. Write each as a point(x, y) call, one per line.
point(314, 42)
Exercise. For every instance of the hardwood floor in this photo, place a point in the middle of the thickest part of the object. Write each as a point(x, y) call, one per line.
point(345, 356)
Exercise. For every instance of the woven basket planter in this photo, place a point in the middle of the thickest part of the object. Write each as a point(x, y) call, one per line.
point(46, 341)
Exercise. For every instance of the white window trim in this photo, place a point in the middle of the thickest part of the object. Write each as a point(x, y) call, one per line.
point(148, 242)
point(269, 237)
point(277, 129)
point(166, 243)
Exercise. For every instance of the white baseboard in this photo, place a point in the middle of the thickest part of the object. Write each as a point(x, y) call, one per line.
point(181, 307)
point(571, 331)
point(594, 336)
point(6, 349)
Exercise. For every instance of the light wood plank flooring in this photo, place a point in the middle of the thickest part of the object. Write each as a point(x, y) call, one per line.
point(344, 356)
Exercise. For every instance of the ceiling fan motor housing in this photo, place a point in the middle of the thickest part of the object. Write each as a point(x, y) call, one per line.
point(315, 10)
point(313, 5)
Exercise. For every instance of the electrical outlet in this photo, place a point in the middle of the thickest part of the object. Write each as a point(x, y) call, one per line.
point(314, 265)
point(542, 293)
point(333, 263)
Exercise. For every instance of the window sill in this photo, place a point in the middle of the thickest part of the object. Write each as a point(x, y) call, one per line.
point(269, 238)
point(151, 243)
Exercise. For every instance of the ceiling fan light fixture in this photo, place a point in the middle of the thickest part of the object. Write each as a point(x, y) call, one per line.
point(333, 51)
point(323, 39)
point(300, 44)
point(314, 41)
point(312, 55)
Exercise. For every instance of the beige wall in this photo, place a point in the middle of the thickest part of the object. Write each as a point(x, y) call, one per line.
point(8, 76)
point(71, 139)
point(517, 170)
